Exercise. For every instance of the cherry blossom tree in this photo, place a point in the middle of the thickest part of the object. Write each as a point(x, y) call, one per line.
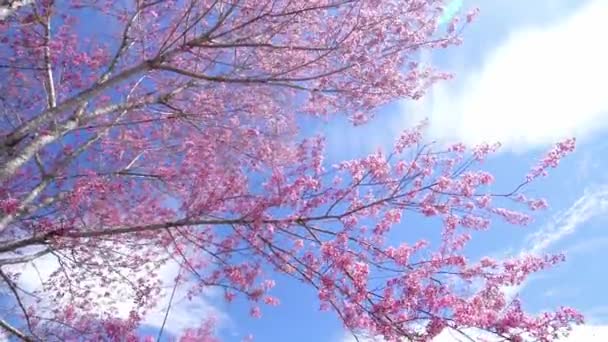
point(141, 133)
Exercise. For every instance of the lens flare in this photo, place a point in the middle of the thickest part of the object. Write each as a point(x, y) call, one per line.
point(450, 11)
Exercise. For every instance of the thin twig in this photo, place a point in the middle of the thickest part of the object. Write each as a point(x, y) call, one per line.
point(162, 327)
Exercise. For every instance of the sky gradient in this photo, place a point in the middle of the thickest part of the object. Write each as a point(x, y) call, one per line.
point(528, 74)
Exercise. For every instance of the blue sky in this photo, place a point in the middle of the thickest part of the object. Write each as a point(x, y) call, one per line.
point(528, 74)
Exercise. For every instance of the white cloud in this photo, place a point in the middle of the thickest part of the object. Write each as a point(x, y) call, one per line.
point(586, 333)
point(184, 313)
point(9, 8)
point(593, 203)
point(538, 86)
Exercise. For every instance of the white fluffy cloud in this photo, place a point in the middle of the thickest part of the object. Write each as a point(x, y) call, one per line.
point(184, 312)
point(540, 85)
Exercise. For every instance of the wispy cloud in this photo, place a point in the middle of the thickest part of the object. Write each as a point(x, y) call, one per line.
point(539, 85)
point(589, 246)
point(593, 203)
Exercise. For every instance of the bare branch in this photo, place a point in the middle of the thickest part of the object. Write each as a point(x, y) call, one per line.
point(14, 331)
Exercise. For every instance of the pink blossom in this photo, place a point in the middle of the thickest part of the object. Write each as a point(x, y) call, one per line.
point(177, 139)
point(255, 312)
